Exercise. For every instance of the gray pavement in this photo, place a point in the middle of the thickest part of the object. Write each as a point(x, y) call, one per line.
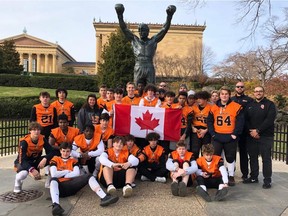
point(152, 198)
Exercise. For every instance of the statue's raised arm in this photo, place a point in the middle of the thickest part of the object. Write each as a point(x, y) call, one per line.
point(170, 11)
point(144, 48)
point(120, 10)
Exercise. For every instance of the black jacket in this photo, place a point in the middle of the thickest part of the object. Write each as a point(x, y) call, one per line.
point(261, 116)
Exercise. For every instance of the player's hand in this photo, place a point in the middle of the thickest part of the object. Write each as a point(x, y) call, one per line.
point(42, 163)
point(233, 136)
point(35, 174)
point(119, 9)
point(171, 10)
point(126, 165)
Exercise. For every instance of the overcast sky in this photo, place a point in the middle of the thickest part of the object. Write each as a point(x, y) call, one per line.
point(70, 23)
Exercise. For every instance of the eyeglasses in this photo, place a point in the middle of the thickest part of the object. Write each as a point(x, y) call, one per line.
point(260, 91)
point(239, 86)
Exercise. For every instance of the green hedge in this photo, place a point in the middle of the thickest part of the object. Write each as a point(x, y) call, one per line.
point(20, 107)
point(77, 82)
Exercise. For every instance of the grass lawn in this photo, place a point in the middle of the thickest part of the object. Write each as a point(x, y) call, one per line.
point(30, 91)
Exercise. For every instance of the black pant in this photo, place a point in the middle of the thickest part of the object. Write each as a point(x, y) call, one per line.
point(243, 155)
point(209, 182)
point(262, 146)
point(230, 149)
point(196, 143)
point(71, 187)
point(153, 173)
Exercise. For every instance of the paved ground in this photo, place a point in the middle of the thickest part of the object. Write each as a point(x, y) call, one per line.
point(155, 198)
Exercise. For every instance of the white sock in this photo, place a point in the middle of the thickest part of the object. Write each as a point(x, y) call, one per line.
point(54, 191)
point(204, 187)
point(220, 187)
point(20, 176)
point(94, 185)
point(47, 169)
point(231, 168)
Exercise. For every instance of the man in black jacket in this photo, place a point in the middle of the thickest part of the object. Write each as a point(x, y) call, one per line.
point(243, 100)
point(260, 115)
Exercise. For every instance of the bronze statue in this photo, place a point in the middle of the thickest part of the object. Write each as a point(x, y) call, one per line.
point(144, 48)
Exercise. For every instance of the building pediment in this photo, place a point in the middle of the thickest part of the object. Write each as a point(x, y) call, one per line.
point(28, 40)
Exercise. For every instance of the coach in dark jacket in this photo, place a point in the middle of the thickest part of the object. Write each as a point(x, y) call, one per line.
point(260, 116)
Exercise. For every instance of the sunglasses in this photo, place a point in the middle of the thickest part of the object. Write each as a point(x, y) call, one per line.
point(239, 86)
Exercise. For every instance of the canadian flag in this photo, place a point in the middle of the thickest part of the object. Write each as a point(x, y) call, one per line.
point(139, 121)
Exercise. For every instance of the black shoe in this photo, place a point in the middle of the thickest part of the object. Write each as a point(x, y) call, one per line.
point(221, 194)
point(244, 177)
point(231, 181)
point(108, 199)
point(250, 180)
point(201, 192)
point(57, 209)
point(266, 185)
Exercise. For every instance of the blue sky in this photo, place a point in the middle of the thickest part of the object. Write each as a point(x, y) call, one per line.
point(70, 23)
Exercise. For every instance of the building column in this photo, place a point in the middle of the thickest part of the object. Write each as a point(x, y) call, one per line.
point(98, 50)
point(38, 62)
point(46, 63)
point(21, 58)
point(30, 67)
point(54, 64)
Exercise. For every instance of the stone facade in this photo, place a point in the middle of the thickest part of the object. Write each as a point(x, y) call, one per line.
point(178, 41)
point(37, 55)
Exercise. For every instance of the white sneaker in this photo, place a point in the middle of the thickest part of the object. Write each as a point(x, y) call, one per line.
point(160, 179)
point(111, 189)
point(127, 191)
point(18, 189)
point(144, 178)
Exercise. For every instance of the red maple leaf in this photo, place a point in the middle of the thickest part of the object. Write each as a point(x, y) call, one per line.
point(147, 123)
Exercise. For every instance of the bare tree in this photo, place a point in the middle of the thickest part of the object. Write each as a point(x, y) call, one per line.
point(237, 66)
point(270, 63)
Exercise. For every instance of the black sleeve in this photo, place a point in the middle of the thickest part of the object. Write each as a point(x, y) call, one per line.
point(210, 124)
point(55, 119)
point(33, 116)
point(48, 150)
point(239, 124)
point(270, 118)
point(23, 159)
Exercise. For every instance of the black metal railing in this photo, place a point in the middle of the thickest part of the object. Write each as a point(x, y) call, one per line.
point(12, 130)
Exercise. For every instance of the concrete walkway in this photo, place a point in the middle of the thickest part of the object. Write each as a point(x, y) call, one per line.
point(152, 198)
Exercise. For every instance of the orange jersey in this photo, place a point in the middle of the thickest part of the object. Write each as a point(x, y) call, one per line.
point(80, 142)
point(136, 151)
point(213, 167)
point(186, 110)
point(188, 157)
point(63, 165)
point(33, 150)
point(104, 135)
point(121, 158)
point(131, 101)
point(172, 106)
point(44, 116)
point(153, 156)
point(109, 105)
point(61, 137)
point(225, 117)
point(101, 102)
point(63, 108)
point(150, 103)
point(200, 116)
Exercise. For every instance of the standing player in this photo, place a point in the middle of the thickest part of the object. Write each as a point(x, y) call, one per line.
point(45, 114)
point(225, 123)
point(62, 105)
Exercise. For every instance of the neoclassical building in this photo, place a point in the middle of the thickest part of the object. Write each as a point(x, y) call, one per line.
point(38, 55)
point(179, 40)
